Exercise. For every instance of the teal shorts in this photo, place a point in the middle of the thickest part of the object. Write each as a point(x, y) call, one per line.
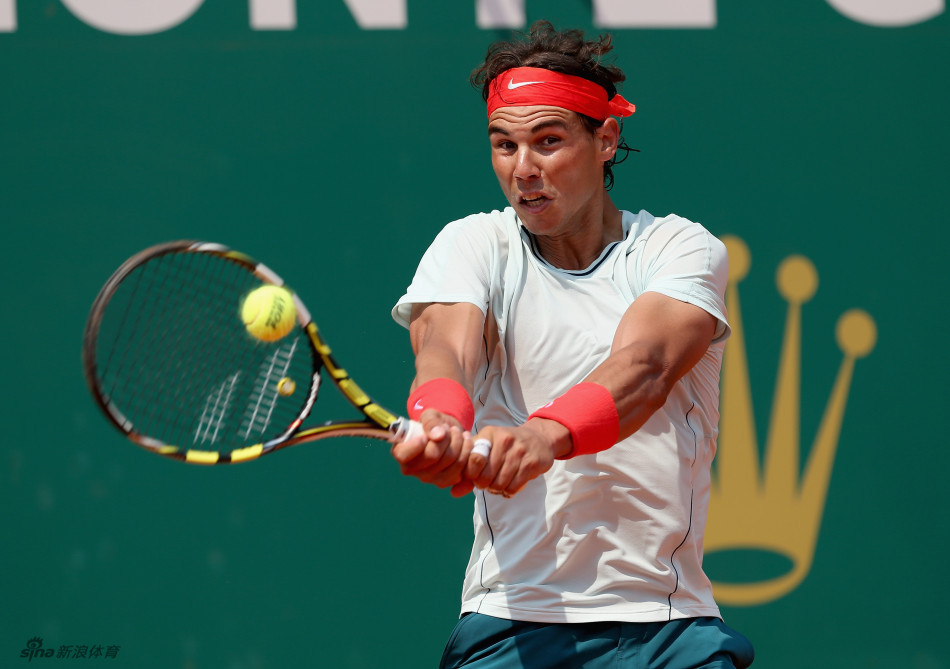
point(484, 642)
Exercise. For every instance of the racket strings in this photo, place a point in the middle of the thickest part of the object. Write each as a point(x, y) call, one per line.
point(203, 304)
point(264, 398)
point(148, 351)
point(115, 374)
point(110, 361)
point(178, 364)
point(163, 317)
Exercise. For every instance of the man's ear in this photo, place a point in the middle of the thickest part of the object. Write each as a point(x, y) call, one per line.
point(609, 137)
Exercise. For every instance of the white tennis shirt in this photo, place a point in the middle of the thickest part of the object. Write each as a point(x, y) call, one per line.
point(616, 535)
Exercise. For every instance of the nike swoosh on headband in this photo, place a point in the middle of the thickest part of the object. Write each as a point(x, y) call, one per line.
point(512, 85)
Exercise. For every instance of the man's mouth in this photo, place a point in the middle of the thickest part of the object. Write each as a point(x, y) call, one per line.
point(533, 201)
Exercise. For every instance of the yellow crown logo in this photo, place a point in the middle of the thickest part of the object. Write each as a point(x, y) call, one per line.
point(769, 508)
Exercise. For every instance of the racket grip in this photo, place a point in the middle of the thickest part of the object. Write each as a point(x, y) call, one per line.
point(404, 429)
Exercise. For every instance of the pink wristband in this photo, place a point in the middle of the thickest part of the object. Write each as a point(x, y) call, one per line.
point(443, 395)
point(589, 412)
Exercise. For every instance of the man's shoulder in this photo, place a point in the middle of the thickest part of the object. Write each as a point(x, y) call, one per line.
point(645, 223)
point(493, 228)
point(474, 239)
point(504, 218)
point(645, 227)
point(489, 222)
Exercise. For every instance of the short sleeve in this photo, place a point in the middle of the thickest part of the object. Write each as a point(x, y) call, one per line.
point(457, 267)
point(681, 259)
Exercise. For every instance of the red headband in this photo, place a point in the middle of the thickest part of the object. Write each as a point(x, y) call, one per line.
point(530, 86)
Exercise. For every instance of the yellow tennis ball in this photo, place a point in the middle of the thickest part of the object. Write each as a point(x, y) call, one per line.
point(269, 313)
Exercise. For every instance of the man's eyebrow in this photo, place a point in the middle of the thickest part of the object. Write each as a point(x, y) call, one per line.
point(553, 123)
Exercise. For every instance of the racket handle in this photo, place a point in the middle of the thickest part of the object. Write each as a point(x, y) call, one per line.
point(405, 429)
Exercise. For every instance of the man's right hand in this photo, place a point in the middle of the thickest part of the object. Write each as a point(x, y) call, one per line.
point(440, 456)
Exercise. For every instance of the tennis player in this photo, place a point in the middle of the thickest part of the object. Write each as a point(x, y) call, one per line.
point(581, 344)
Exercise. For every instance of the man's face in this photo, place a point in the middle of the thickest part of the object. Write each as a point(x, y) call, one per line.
point(550, 167)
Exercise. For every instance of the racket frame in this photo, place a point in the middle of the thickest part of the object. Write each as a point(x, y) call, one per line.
point(378, 422)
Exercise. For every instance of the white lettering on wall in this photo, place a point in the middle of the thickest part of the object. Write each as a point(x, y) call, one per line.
point(273, 14)
point(610, 13)
point(133, 18)
point(7, 16)
point(379, 14)
point(889, 13)
point(655, 13)
point(499, 13)
point(143, 17)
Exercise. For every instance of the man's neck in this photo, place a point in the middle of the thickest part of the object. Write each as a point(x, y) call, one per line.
point(579, 249)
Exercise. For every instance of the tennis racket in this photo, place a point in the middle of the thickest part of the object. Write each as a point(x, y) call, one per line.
point(170, 363)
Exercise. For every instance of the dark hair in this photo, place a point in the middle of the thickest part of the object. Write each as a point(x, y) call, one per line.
point(564, 51)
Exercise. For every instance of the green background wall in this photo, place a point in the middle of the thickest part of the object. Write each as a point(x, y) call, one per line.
point(334, 154)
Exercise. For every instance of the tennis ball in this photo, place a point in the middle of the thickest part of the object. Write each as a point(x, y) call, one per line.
point(269, 313)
